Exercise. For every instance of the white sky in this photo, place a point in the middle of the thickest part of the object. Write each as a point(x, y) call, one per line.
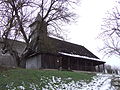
point(88, 27)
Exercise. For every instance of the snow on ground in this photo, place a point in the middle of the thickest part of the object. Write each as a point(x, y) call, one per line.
point(99, 82)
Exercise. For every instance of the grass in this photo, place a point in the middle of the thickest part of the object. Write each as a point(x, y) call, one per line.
point(24, 77)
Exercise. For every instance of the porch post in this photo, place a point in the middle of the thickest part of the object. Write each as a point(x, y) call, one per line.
point(103, 68)
point(85, 65)
point(69, 63)
point(98, 68)
point(92, 68)
point(60, 63)
point(77, 64)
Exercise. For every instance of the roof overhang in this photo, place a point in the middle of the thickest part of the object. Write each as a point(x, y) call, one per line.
point(83, 57)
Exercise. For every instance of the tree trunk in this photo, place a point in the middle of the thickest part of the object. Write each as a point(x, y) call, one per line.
point(16, 58)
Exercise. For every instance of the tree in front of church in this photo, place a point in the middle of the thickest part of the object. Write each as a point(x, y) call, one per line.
point(17, 15)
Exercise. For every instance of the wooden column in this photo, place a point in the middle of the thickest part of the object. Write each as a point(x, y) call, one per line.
point(69, 68)
point(92, 67)
point(85, 65)
point(77, 64)
point(60, 63)
point(98, 68)
point(103, 68)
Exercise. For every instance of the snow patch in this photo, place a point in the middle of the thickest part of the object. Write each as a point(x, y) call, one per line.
point(78, 56)
point(21, 87)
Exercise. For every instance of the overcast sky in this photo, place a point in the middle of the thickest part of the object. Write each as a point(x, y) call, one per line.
point(88, 27)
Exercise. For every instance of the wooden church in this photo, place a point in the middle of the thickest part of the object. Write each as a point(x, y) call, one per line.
point(59, 54)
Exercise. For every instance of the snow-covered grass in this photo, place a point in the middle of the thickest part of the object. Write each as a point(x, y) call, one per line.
point(29, 79)
point(99, 82)
point(54, 80)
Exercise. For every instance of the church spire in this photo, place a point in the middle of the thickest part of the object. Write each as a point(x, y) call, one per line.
point(38, 18)
point(39, 27)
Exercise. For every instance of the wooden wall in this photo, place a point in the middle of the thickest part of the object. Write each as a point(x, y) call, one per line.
point(50, 61)
point(34, 62)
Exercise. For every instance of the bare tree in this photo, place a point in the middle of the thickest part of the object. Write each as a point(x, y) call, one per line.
point(111, 33)
point(17, 15)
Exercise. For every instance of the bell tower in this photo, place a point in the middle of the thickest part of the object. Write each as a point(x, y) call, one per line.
point(38, 28)
point(39, 41)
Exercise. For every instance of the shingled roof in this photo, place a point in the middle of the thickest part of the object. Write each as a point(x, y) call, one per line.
point(67, 47)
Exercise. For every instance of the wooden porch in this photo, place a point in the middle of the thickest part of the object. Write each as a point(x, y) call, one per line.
point(71, 63)
point(80, 64)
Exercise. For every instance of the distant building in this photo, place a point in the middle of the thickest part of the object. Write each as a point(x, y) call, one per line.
point(6, 59)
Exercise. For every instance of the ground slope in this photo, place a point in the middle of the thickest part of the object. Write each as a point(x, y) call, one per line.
point(20, 79)
point(27, 79)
